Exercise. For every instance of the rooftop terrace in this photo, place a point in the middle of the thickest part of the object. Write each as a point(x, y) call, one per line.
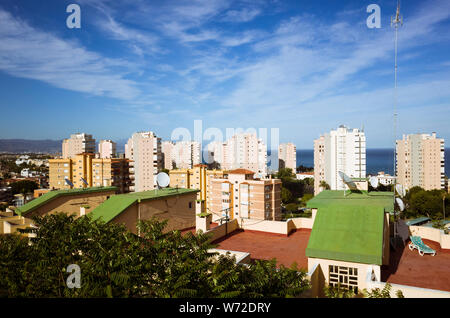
point(409, 268)
point(265, 246)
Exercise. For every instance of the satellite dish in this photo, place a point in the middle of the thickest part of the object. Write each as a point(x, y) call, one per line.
point(400, 203)
point(68, 182)
point(84, 181)
point(400, 190)
point(373, 182)
point(348, 181)
point(162, 179)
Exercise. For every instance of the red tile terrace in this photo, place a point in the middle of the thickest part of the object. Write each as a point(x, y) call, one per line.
point(409, 268)
point(406, 267)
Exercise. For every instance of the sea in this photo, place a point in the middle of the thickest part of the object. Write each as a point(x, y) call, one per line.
point(381, 159)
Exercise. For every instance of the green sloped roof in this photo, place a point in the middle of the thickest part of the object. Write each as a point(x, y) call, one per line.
point(351, 228)
point(336, 198)
point(51, 195)
point(115, 205)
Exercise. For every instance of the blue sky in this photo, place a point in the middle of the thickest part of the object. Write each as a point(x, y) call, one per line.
point(304, 67)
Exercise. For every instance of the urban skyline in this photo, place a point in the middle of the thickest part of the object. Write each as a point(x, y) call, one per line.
point(145, 83)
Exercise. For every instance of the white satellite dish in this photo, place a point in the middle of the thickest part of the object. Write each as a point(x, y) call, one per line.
point(400, 203)
point(347, 180)
point(162, 179)
point(373, 181)
point(400, 190)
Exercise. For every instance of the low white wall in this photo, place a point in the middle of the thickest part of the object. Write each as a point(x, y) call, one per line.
point(431, 234)
point(222, 230)
point(278, 227)
point(303, 223)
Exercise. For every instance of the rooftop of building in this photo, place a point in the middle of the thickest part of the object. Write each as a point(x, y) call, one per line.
point(51, 195)
point(265, 246)
point(240, 171)
point(409, 268)
point(349, 228)
point(336, 198)
point(116, 204)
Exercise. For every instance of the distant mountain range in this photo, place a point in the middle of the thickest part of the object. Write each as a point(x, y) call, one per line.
point(25, 146)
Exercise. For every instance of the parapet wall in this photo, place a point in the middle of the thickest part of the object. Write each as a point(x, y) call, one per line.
point(431, 234)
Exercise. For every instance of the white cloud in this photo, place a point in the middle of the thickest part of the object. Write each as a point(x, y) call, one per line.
point(141, 42)
point(243, 15)
point(30, 53)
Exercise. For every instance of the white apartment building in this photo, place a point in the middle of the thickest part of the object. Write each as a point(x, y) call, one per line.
point(384, 178)
point(420, 161)
point(107, 149)
point(215, 152)
point(241, 151)
point(76, 144)
point(287, 156)
point(343, 149)
point(181, 154)
point(144, 149)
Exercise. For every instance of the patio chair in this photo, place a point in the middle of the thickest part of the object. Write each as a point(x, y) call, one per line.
point(416, 242)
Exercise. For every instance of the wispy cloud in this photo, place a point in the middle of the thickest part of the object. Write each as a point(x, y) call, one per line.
point(243, 15)
point(28, 52)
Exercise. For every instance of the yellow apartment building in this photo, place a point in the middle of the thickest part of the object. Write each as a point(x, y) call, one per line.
point(199, 177)
point(95, 171)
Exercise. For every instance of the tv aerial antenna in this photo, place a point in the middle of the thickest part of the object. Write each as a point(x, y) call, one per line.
point(396, 22)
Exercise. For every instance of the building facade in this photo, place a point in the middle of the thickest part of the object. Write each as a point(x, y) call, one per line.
point(287, 157)
point(107, 149)
point(241, 151)
point(76, 144)
point(144, 150)
point(199, 178)
point(420, 161)
point(95, 171)
point(240, 195)
point(181, 154)
point(340, 150)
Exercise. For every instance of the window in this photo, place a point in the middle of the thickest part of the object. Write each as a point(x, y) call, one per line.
point(346, 277)
point(190, 205)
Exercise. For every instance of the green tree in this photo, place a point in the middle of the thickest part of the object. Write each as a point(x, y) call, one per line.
point(117, 263)
point(420, 202)
point(23, 186)
point(323, 184)
point(285, 173)
point(306, 197)
point(286, 195)
point(302, 168)
point(382, 293)
point(338, 292)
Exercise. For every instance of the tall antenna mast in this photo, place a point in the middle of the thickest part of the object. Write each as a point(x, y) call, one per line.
point(396, 22)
